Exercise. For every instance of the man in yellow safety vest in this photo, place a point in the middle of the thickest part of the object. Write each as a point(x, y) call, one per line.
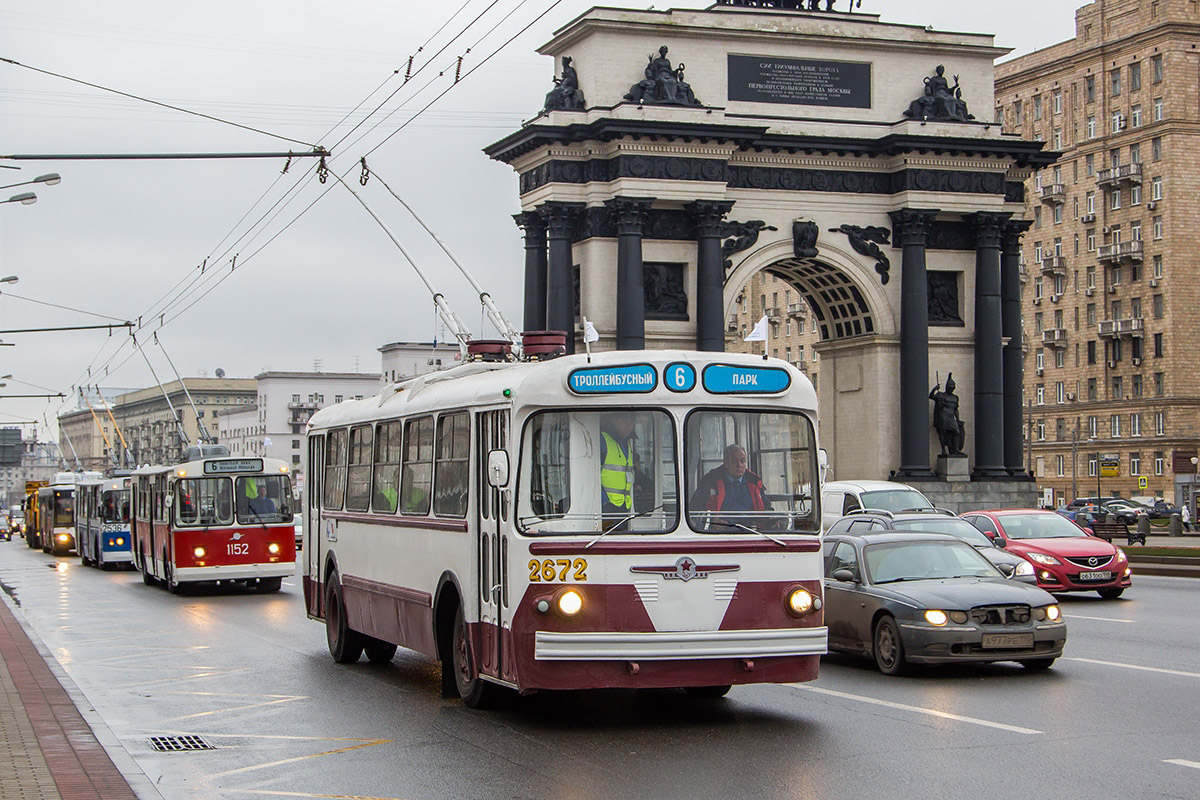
point(616, 466)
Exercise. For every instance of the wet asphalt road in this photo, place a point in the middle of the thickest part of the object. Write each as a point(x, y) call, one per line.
point(250, 674)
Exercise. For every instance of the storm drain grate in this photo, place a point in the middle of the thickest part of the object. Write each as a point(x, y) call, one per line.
point(173, 744)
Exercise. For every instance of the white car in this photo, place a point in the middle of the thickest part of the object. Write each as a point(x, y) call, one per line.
point(839, 498)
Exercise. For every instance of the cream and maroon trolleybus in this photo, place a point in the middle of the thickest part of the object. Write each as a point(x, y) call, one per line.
point(636, 519)
point(214, 518)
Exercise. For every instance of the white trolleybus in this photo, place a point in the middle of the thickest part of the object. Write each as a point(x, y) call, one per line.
point(102, 521)
point(214, 519)
point(643, 519)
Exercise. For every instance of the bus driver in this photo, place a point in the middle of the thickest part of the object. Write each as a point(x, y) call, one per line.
point(616, 470)
point(731, 486)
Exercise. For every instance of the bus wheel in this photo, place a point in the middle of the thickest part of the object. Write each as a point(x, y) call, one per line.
point(708, 692)
point(379, 651)
point(345, 645)
point(169, 575)
point(474, 690)
point(144, 566)
point(269, 584)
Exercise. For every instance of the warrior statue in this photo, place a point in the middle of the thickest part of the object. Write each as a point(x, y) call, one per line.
point(946, 421)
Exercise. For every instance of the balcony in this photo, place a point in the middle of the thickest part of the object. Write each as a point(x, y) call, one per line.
point(1054, 194)
point(1116, 177)
point(1023, 272)
point(1118, 328)
point(1054, 265)
point(1120, 251)
point(731, 323)
point(797, 310)
point(773, 314)
point(1055, 337)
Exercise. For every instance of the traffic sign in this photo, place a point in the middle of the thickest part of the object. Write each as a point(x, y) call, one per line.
point(1143, 482)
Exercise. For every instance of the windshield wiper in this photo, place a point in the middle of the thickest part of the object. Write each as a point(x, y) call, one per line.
point(747, 528)
point(622, 522)
point(899, 580)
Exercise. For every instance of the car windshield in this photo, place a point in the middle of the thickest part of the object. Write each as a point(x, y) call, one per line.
point(958, 528)
point(893, 562)
point(750, 471)
point(263, 498)
point(1040, 526)
point(592, 471)
point(894, 499)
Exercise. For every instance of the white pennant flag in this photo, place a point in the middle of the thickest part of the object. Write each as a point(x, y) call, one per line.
point(589, 332)
point(759, 334)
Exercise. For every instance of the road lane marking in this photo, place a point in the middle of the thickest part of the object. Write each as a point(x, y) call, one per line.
point(1182, 762)
point(1098, 619)
point(918, 710)
point(306, 794)
point(281, 762)
point(272, 699)
point(1137, 666)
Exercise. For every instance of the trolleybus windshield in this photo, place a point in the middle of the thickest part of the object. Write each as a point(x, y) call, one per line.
point(114, 506)
point(263, 498)
point(750, 471)
point(598, 470)
point(64, 508)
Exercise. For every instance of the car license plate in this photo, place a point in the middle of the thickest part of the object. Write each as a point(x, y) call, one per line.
point(1007, 640)
point(1095, 576)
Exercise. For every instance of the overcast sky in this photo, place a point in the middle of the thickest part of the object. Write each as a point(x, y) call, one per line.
point(115, 236)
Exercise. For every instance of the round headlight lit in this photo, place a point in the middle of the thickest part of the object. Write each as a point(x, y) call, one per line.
point(199, 552)
point(958, 617)
point(1053, 613)
point(120, 541)
point(800, 601)
point(64, 537)
point(570, 602)
point(935, 617)
point(273, 548)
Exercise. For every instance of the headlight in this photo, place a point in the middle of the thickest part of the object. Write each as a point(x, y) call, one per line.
point(935, 617)
point(1042, 558)
point(570, 602)
point(64, 537)
point(273, 549)
point(1024, 568)
point(1053, 613)
point(199, 552)
point(958, 617)
point(800, 601)
point(120, 540)
point(1121, 554)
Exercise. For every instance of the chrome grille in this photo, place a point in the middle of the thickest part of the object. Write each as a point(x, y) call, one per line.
point(1090, 562)
point(1000, 615)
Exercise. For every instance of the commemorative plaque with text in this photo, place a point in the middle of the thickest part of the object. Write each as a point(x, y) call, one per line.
point(799, 81)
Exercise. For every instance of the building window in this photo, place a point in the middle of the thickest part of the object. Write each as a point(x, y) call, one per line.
point(1091, 316)
point(1156, 189)
point(1057, 99)
point(1058, 139)
point(1114, 425)
point(1093, 427)
point(1160, 463)
point(1156, 68)
point(1116, 199)
point(1157, 303)
point(1135, 463)
point(1037, 286)
point(1160, 423)
point(1158, 266)
point(1135, 76)
point(1135, 199)
point(1115, 82)
point(1158, 109)
point(1135, 116)
point(1089, 162)
point(1091, 466)
point(1060, 358)
point(1040, 359)
point(1061, 463)
point(1156, 148)
point(1089, 88)
point(1118, 122)
point(1118, 389)
point(1091, 386)
point(337, 398)
point(1041, 394)
point(1037, 107)
point(1158, 345)
point(1058, 210)
point(295, 444)
point(1037, 217)
point(1060, 392)
point(1135, 424)
point(1135, 386)
point(1041, 430)
point(1017, 109)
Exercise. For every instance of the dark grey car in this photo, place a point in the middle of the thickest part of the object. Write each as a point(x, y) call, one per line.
point(920, 598)
point(935, 520)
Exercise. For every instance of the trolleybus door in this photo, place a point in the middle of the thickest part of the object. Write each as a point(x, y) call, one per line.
point(492, 434)
point(313, 535)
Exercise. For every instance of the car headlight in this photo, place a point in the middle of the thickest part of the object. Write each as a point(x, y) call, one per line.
point(1121, 555)
point(800, 601)
point(1042, 558)
point(958, 617)
point(1053, 613)
point(570, 602)
point(1024, 568)
point(935, 617)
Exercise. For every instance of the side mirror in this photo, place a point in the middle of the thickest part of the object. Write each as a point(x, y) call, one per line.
point(497, 469)
point(999, 542)
point(844, 575)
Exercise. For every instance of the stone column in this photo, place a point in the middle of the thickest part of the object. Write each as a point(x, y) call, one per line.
point(989, 352)
point(912, 227)
point(1014, 379)
point(709, 217)
point(561, 219)
point(630, 214)
point(534, 227)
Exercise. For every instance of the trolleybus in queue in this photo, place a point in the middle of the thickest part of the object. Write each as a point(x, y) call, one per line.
point(102, 521)
point(56, 514)
point(566, 525)
point(214, 519)
point(30, 508)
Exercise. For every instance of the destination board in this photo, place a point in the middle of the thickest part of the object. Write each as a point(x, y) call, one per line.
point(235, 465)
point(627, 379)
point(800, 81)
point(728, 379)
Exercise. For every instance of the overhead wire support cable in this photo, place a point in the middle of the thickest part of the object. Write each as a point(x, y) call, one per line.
point(57, 305)
point(205, 438)
point(108, 327)
point(126, 455)
point(183, 438)
point(316, 152)
point(99, 427)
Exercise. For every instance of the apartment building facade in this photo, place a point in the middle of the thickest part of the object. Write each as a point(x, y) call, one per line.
point(791, 326)
point(1110, 264)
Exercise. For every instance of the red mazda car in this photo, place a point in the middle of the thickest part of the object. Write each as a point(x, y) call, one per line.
point(1066, 557)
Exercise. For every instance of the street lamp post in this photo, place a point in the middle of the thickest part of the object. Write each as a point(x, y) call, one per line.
point(1192, 489)
point(1075, 461)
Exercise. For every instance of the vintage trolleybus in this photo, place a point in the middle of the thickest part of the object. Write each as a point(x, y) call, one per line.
point(642, 519)
point(214, 519)
point(102, 521)
point(56, 514)
point(30, 507)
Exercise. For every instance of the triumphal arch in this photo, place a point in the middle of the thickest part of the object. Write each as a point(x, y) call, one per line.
point(681, 151)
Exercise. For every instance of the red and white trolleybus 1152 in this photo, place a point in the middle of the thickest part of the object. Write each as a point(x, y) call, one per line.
point(643, 519)
point(214, 519)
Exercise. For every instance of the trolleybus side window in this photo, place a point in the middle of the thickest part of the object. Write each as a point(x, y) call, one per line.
point(452, 478)
point(203, 501)
point(316, 445)
point(335, 468)
point(358, 481)
point(598, 470)
point(263, 498)
point(415, 483)
point(385, 484)
point(750, 471)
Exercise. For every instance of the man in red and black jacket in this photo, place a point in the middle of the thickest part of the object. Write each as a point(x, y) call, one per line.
point(730, 487)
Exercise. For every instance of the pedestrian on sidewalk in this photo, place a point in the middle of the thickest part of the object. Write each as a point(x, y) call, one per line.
point(1185, 515)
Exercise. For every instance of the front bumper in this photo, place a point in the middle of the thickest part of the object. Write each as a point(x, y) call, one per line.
point(676, 645)
point(234, 572)
point(926, 644)
point(1059, 579)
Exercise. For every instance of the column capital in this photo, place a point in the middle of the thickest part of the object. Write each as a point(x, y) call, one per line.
point(561, 218)
point(912, 225)
point(1011, 233)
point(988, 227)
point(709, 216)
point(534, 226)
point(631, 214)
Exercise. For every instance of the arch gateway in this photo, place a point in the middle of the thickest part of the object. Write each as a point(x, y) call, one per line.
point(682, 151)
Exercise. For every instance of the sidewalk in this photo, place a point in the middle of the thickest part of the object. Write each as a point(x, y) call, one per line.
point(47, 749)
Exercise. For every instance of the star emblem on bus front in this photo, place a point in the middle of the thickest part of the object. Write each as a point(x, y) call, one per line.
point(686, 568)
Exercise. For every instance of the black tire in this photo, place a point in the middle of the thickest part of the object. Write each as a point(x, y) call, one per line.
point(147, 576)
point(1038, 664)
point(889, 648)
point(1111, 593)
point(379, 651)
point(266, 585)
point(474, 690)
point(708, 692)
point(345, 645)
point(169, 575)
